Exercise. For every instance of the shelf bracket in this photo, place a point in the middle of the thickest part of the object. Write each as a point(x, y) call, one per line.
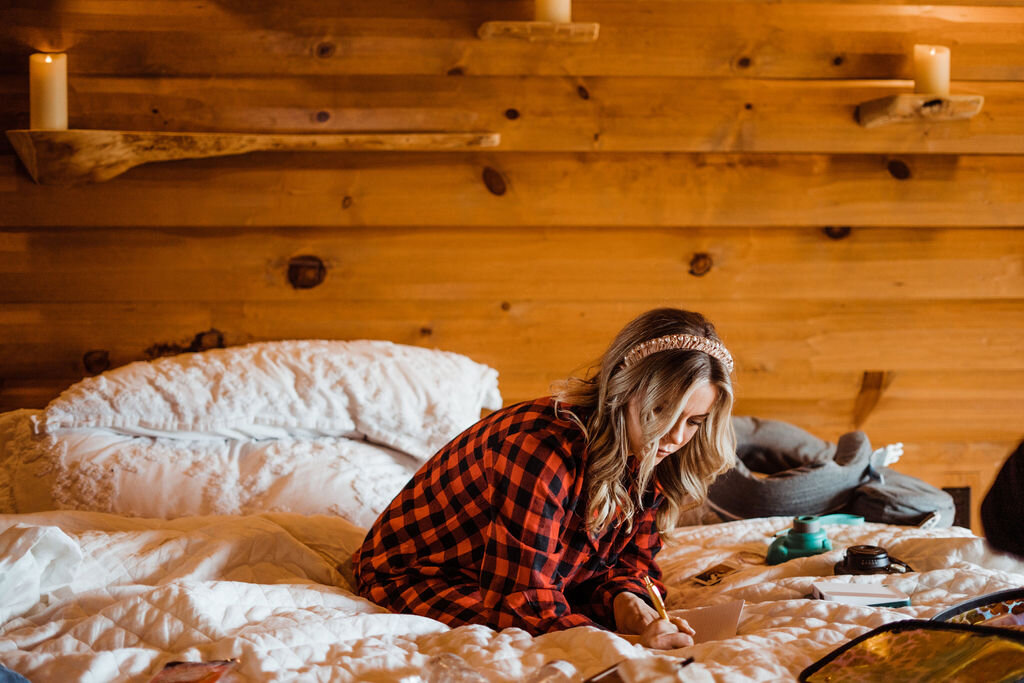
point(910, 107)
point(540, 31)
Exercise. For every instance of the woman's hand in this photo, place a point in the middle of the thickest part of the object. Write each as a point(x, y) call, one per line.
point(634, 616)
point(667, 634)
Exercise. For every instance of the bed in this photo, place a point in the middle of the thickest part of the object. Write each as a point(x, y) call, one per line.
point(204, 507)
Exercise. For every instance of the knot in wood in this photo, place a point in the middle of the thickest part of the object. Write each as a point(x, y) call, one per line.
point(700, 264)
point(898, 169)
point(306, 271)
point(836, 232)
point(494, 181)
point(209, 339)
point(96, 361)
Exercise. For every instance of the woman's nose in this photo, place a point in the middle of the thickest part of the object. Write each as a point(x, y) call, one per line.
point(678, 434)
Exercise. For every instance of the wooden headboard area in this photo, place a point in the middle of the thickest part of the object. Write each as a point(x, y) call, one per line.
point(698, 154)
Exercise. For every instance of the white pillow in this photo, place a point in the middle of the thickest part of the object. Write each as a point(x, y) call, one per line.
point(138, 476)
point(406, 397)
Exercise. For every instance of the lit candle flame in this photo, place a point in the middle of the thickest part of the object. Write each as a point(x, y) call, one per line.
point(48, 59)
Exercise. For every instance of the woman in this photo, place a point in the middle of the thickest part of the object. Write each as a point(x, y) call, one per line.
point(548, 514)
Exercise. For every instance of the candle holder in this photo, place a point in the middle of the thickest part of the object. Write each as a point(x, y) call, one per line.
point(909, 107)
point(540, 31)
point(930, 100)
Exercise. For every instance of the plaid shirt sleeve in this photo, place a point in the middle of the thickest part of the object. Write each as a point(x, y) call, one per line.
point(626, 575)
point(530, 486)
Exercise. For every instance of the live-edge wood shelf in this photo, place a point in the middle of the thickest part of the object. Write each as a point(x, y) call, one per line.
point(540, 31)
point(69, 157)
point(908, 107)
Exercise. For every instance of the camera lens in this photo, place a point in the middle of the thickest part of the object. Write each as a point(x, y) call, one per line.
point(867, 558)
point(870, 559)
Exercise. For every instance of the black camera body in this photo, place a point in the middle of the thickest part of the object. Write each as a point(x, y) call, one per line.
point(869, 559)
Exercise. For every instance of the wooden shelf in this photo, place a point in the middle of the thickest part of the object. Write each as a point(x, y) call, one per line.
point(69, 157)
point(910, 107)
point(539, 31)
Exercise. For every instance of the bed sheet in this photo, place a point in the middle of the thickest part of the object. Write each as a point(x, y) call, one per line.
point(106, 597)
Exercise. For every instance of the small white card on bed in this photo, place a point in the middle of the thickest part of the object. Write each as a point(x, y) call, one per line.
point(867, 594)
point(714, 622)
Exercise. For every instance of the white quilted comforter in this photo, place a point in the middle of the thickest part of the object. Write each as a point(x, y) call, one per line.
point(96, 597)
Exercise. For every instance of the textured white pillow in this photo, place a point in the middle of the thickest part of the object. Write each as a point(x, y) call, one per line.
point(99, 471)
point(409, 398)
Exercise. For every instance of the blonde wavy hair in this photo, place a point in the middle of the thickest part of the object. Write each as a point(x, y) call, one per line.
point(662, 383)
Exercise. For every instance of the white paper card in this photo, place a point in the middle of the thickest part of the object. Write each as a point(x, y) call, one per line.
point(714, 622)
point(858, 593)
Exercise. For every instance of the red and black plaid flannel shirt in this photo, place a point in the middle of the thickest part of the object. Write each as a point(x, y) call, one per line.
point(491, 531)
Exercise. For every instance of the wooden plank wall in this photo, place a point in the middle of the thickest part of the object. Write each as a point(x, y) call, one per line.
point(700, 154)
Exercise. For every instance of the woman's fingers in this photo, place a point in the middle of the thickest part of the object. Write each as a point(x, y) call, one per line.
point(682, 625)
point(662, 634)
point(669, 641)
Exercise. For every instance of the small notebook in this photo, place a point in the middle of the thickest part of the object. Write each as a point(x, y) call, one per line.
point(715, 622)
point(867, 594)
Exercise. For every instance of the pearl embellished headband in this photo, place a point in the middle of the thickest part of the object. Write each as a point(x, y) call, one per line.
point(678, 341)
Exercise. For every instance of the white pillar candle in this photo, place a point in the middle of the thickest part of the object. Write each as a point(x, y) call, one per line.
point(931, 69)
point(48, 91)
point(558, 11)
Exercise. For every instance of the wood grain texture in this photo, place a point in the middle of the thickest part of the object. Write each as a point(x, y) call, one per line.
point(512, 264)
point(582, 114)
point(799, 337)
point(758, 39)
point(435, 189)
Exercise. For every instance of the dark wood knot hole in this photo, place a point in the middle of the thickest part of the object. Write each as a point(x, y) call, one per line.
point(96, 361)
point(701, 264)
point(306, 272)
point(494, 181)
